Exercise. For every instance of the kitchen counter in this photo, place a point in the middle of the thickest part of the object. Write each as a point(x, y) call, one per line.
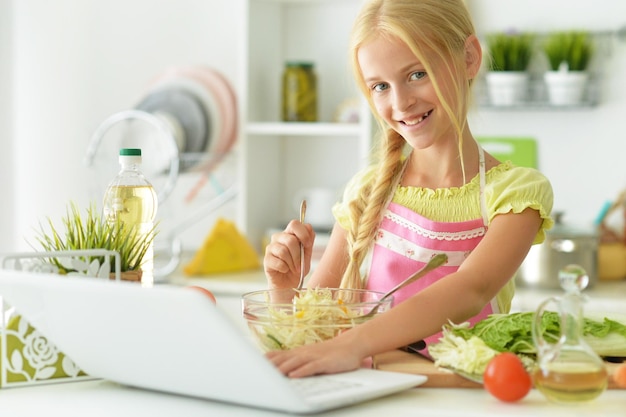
point(103, 398)
point(604, 296)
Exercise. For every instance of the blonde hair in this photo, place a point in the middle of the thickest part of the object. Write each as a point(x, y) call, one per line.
point(436, 31)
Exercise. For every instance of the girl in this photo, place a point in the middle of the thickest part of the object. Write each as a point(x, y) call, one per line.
point(432, 189)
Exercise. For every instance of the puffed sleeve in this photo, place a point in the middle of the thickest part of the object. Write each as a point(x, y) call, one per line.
point(518, 189)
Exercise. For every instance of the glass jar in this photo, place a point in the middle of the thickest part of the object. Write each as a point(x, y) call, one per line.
point(299, 95)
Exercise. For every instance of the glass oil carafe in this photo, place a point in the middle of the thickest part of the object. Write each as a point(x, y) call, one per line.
point(567, 369)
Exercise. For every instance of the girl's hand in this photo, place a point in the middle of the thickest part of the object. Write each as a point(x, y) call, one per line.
point(328, 357)
point(282, 255)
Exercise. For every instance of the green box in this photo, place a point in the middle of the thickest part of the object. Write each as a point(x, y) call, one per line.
point(521, 151)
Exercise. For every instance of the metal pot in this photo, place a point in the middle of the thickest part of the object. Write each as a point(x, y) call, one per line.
point(563, 245)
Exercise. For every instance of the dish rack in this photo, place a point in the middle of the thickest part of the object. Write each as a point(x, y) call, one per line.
point(186, 125)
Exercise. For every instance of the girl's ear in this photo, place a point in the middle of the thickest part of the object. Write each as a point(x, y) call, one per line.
point(473, 56)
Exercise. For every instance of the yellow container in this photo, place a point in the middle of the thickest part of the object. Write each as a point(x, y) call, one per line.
point(611, 261)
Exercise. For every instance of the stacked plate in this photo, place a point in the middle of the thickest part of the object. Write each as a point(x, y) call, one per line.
point(194, 106)
point(200, 105)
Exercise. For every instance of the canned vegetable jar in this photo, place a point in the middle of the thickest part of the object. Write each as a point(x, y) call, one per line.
point(299, 92)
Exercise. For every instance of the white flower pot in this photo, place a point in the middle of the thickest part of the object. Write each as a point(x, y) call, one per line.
point(566, 88)
point(507, 88)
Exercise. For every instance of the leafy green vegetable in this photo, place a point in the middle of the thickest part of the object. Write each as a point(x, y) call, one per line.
point(606, 335)
point(467, 349)
point(513, 332)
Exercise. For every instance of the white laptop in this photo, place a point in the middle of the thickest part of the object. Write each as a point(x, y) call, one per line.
point(172, 339)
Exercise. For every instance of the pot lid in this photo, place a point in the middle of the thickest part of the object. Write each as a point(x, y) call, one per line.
point(563, 230)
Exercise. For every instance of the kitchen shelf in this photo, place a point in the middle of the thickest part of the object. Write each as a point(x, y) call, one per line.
point(537, 90)
point(280, 159)
point(539, 106)
point(538, 100)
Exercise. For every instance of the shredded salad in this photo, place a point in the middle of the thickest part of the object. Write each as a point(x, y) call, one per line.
point(469, 355)
point(314, 316)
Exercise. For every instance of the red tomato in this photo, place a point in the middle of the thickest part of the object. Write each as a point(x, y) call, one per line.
point(506, 378)
point(204, 291)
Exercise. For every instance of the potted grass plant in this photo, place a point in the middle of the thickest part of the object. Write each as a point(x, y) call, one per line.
point(569, 54)
point(92, 231)
point(509, 56)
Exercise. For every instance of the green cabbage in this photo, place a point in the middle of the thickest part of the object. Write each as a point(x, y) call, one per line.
point(468, 349)
point(512, 332)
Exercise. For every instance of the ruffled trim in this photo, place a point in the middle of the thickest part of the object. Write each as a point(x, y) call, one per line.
point(409, 192)
point(517, 207)
point(509, 189)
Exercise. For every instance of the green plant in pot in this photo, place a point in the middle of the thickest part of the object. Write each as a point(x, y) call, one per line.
point(569, 54)
point(509, 56)
point(92, 231)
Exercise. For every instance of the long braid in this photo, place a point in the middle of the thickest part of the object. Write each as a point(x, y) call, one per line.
point(367, 209)
point(436, 31)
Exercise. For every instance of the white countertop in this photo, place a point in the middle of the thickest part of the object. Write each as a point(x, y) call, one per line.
point(103, 398)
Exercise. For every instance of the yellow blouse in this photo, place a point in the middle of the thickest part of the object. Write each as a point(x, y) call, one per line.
point(508, 189)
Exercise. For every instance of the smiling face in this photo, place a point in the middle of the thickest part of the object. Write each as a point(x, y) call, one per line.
point(403, 92)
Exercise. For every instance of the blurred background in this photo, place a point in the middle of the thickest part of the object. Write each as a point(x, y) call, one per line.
point(67, 65)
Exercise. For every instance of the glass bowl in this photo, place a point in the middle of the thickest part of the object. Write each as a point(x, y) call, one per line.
point(287, 318)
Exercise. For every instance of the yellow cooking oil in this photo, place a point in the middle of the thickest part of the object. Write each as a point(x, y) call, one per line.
point(568, 382)
point(133, 205)
point(131, 200)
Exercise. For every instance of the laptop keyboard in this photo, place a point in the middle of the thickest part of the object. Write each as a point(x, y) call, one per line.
point(320, 385)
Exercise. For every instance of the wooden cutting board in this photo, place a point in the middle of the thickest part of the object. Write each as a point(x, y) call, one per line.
point(401, 361)
point(411, 363)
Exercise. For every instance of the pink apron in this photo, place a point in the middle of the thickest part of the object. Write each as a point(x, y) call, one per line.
point(407, 240)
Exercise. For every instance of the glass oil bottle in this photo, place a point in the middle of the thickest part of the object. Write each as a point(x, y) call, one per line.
point(568, 370)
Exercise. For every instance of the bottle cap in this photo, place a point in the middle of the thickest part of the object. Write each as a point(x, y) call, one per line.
point(130, 156)
point(130, 151)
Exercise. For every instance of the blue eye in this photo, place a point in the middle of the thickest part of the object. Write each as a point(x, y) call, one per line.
point(418, 75)
point(380, 87)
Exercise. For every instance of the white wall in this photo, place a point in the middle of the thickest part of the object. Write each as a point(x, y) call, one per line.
point(73, 64)
point(66, 65)
point(7, 205)
point(582, 152)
